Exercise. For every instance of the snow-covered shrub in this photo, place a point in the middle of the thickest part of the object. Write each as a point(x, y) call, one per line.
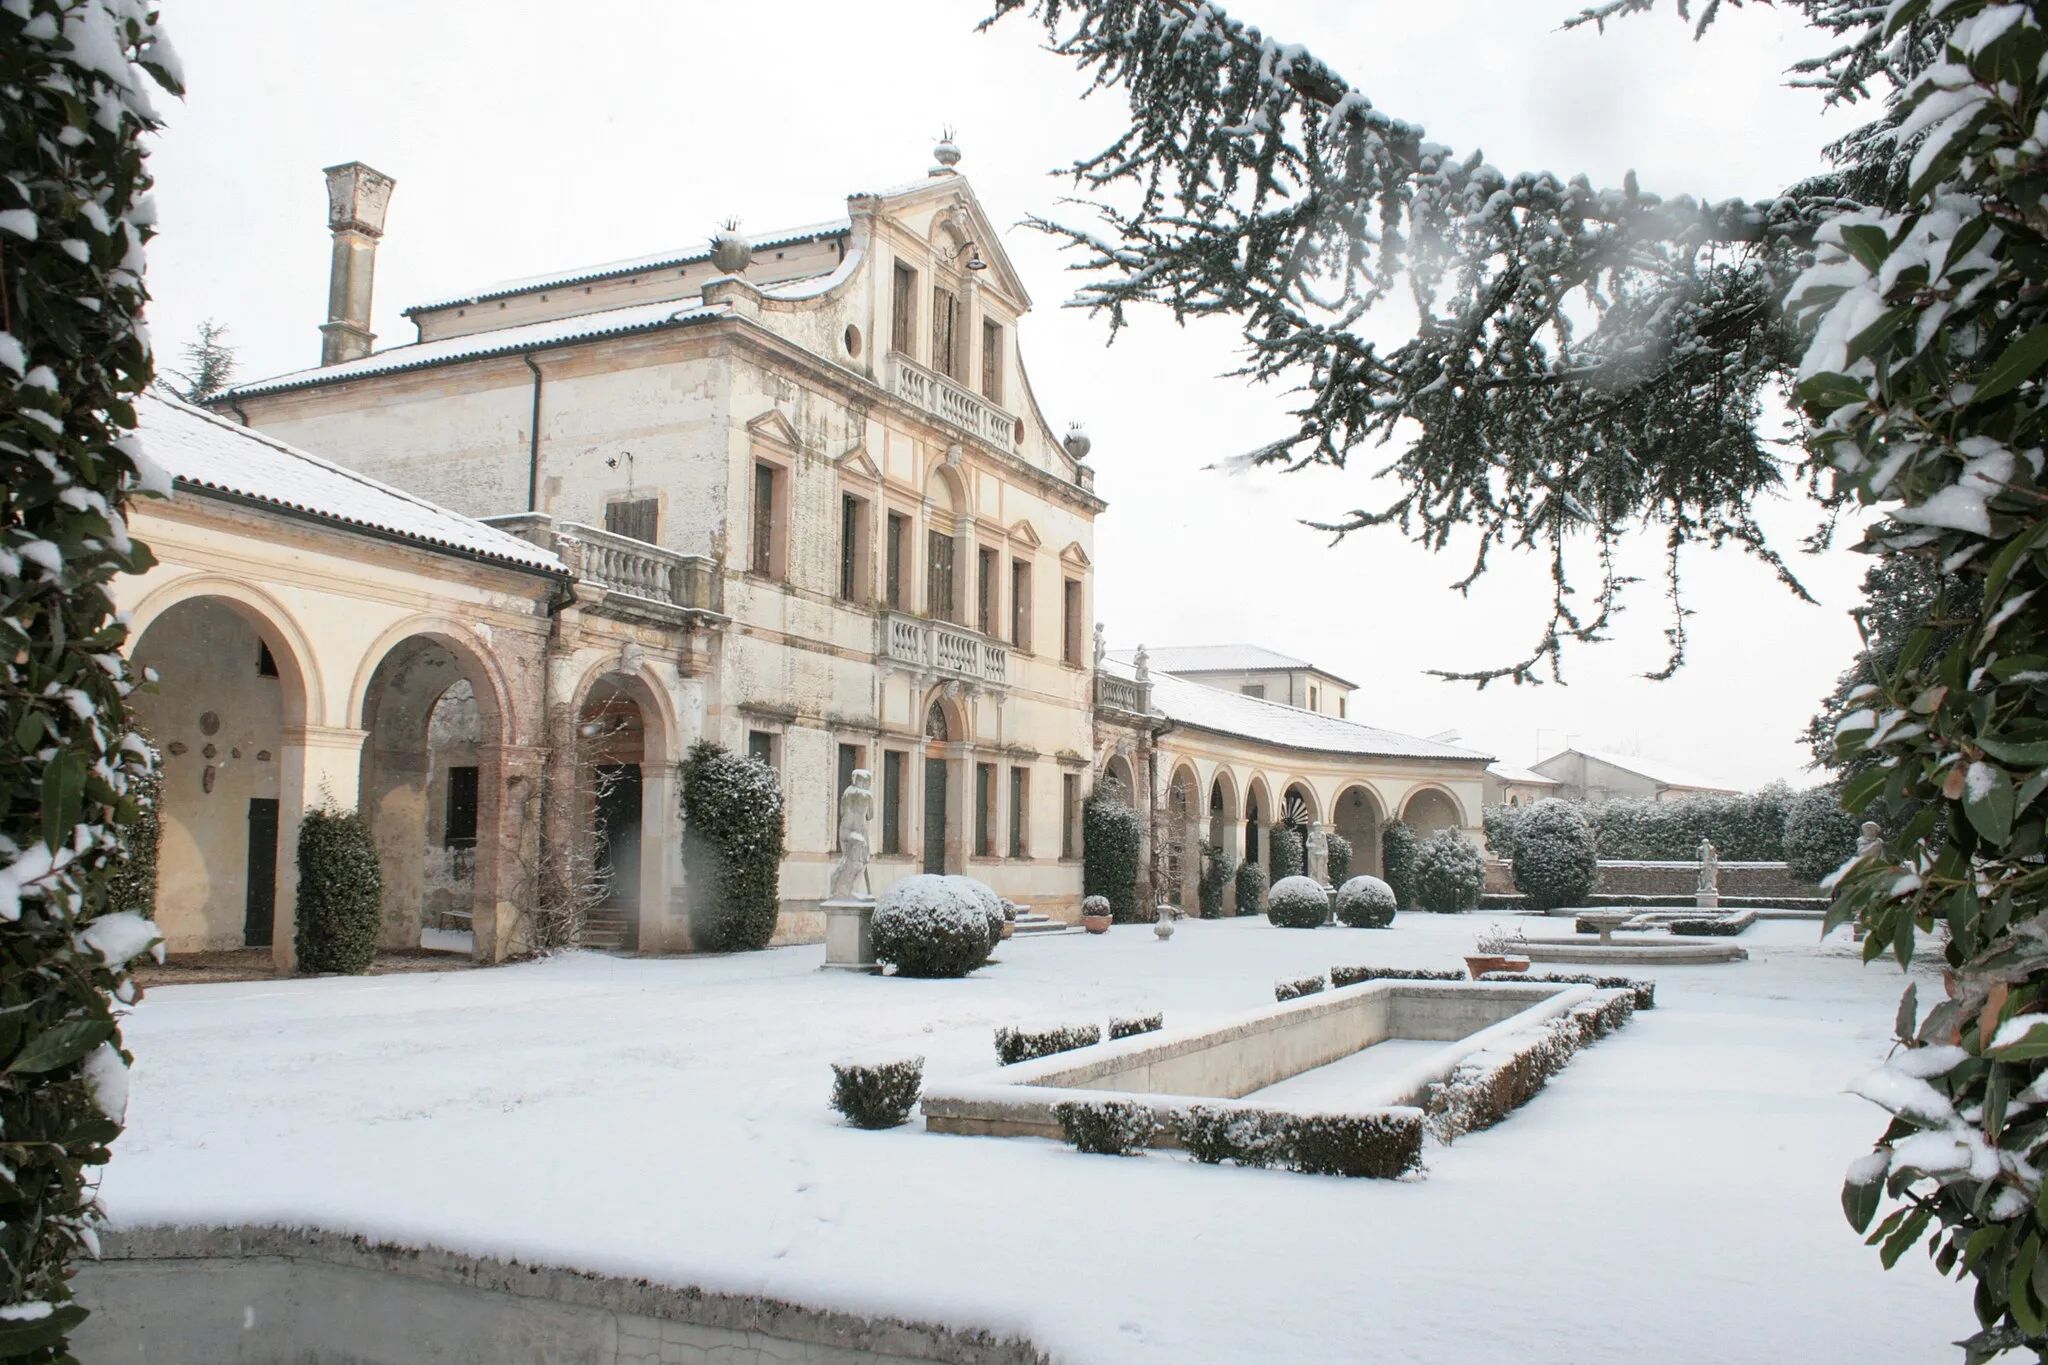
point(992, 906)
point(1500, 823)
point(1298, 903)
point(1017, 1043)
point(1365, 903)
point(1297, 988)
point(732, 848)
point(131, 880)
point(1352, 976)
point(930, 926)
point(1106, 1127)
point(1555, 860)
point(1217, 868)
point(1499, 939)
point(876, 1094)
point(1449, 872)
point(1398, 846)
point(341, 893)
point(1251, 1137)
point(1712, 926)
point(1339, 859)
point(1251, 888)
point(1383, 1144)
point(1491, 1083)
point(1094, 907)
point(1748, 828)
point(1641, 988)
point(1110, 837)
point(1819, 835)
point(1130, 1026)
point(1284, 855)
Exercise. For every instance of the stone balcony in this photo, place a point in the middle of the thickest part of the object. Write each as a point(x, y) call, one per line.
point(1121, 696)
point(942, 650)
point(952, 403)
point(638, 579)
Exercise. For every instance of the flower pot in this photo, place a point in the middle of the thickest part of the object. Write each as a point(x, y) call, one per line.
point(1095, 924)
point(1479, 964)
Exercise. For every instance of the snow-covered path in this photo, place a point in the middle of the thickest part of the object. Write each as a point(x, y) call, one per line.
point(1671, 1197)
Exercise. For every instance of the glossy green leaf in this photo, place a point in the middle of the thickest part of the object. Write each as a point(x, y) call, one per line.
point(2014, 366)
point(1988, 801)
point(61, 1044)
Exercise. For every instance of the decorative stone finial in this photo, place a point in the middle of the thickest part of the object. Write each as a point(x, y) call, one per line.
point(946, 154)
point(731, 253)
point(1144, 664)
point(1077, 443)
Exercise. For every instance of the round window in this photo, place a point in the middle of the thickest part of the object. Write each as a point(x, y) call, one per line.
point(853, 341)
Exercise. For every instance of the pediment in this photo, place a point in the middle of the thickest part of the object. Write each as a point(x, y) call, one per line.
point(772, 427)
point(856, 464)
point(1074, 554)
point(1024, 535)
point(960, 217)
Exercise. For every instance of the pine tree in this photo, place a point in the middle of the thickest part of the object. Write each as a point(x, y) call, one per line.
point(209, 364)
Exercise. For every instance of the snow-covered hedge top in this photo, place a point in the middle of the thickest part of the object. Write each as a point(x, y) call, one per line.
point(931, 903)
point(1298, 891)
point(982, 894)
point(1366, 891)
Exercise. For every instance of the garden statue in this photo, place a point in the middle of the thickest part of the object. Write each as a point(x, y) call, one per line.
point(855, 806)
point(1709, 885)
point(1318, 853)
point(1870, 842)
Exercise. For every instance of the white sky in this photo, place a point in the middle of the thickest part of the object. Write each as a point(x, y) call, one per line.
point(533, 135)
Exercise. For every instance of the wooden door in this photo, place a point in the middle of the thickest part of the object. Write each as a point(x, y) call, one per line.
point(935, 815)
point(259, 911)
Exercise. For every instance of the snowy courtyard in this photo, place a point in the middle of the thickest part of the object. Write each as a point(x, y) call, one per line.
point(1671, 1196)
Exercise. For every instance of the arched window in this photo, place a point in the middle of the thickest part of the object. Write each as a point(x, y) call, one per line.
point(935, 723)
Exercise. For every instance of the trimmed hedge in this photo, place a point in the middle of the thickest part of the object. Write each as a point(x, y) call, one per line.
point(1365, 903)
point(1251, 889)
point(1110, 837)
point(1015, 1044)
point(930, 926)
point(993, 908)
point(1353, 976)
point(1555, 862)
point(1819, 835)
point(1340, 858)
point(131, 877)
point(1712, 926)
point(1106, 1127)
point(877, 1094)
point(1217, 869)
point(1133, 1025)
point(1449, 872)
point(1377, 1143)
point(1297, 988)
point(1284, 855)
point(341, 893)
point(1642, 988)
point(1490, 1084)
point(1398, 846)
point(1250, 1137)
point(732, 848)
point(1298, 903)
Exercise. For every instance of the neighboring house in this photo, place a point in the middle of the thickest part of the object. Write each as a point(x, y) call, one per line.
point(1252, 671)
point(1507, 785)
point(817, 459)
point(1211, 765)
point(1588, 775)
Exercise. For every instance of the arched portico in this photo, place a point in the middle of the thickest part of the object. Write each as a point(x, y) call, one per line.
point(1357, 816)
point(1181, 854)
point(1430, 808)
point(1258, 812)
point(619, 857)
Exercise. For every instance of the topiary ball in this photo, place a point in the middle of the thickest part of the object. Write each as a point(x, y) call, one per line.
point(1097, 906)
point(929, 926)
point(991, 905)
point(1365, 903)
point(1556, 863)
point(1297, 903)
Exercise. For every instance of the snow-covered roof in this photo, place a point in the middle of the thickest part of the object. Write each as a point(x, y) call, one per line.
point(210, 454)
point(1521, 777)
point(640, 317)
point(1289, 727)
point(681, 256)
point(1220, 659)
point(1663, 774)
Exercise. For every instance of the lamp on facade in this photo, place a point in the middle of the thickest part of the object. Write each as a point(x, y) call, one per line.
point(973, 255)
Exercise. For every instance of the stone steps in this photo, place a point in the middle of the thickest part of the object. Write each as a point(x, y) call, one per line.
point(1030, 923)
point(606, 930)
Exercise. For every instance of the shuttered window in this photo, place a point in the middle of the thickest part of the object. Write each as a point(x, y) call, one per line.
point(903, 312)
point(945, 333)
point(639, 518)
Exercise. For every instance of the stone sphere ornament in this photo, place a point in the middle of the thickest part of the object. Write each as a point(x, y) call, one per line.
point(731, 253)
point(1076, 441)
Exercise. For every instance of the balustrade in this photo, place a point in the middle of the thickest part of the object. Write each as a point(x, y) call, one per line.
point(936, 647)
point(952, 403)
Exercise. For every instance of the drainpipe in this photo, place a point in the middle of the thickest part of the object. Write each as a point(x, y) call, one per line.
point(533, 440)
point(235, 406)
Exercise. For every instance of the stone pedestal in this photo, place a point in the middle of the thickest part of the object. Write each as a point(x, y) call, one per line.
point(1708, 900)
point(850, 935)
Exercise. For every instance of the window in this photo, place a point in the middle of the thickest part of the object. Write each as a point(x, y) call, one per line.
point(984, 810)
point(1070, 634)
point(938, 583)
point(903, 311)
point(1315, 698)
point(1020, 604)
point(1070, 814)
point(945, 338)
point(849, 760)
point(459, 829)
point(898, 527)
point(1020, 806)
point(853, 549)
point(892, 801)
point(767, 488)
point(761, 746)
point(639, 518)
point(1254, 690)
point(1340, 707)
point(266, 662)
point(988, 565)
point(992, 361)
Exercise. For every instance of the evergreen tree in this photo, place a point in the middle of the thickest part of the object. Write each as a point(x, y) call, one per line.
point(74, 217)
point(209, 364)
point(1584, 362)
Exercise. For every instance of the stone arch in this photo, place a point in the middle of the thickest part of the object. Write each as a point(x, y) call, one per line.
point(1258, 818)
point(1118, 770)
point(227, 715)
point(1360, 817)
point(1429, 808)
point(1181, 852)
point(948, 491)
point(1222, 806)
point(479, 666)
point(620, 807)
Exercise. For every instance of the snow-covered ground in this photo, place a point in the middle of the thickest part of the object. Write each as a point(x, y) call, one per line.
point(1671, 1197)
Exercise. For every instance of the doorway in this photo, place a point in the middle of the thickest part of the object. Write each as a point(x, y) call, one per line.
point(935, 815)
point(259, 911)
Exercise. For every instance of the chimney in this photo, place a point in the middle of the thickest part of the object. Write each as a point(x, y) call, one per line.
point(356, 199)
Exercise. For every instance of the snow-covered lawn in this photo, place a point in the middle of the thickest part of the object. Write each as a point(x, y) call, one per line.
point(1671, 1197)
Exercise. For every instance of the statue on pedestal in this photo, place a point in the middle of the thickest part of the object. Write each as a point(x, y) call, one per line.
point(856, 804)
point(1709, 885)
point(1870, 841)
point(1318, 853)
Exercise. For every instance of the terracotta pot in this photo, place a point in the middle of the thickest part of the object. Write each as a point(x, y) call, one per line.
point(1481, 963)
point(1095, 924)
point(1009, 928)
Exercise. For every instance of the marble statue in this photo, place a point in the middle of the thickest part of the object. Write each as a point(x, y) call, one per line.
point(1870, 842)
point(1318, 853)
point(856, 806)
point(1710, 869)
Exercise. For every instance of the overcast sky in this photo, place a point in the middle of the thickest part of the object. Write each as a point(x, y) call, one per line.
point(529, 137)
